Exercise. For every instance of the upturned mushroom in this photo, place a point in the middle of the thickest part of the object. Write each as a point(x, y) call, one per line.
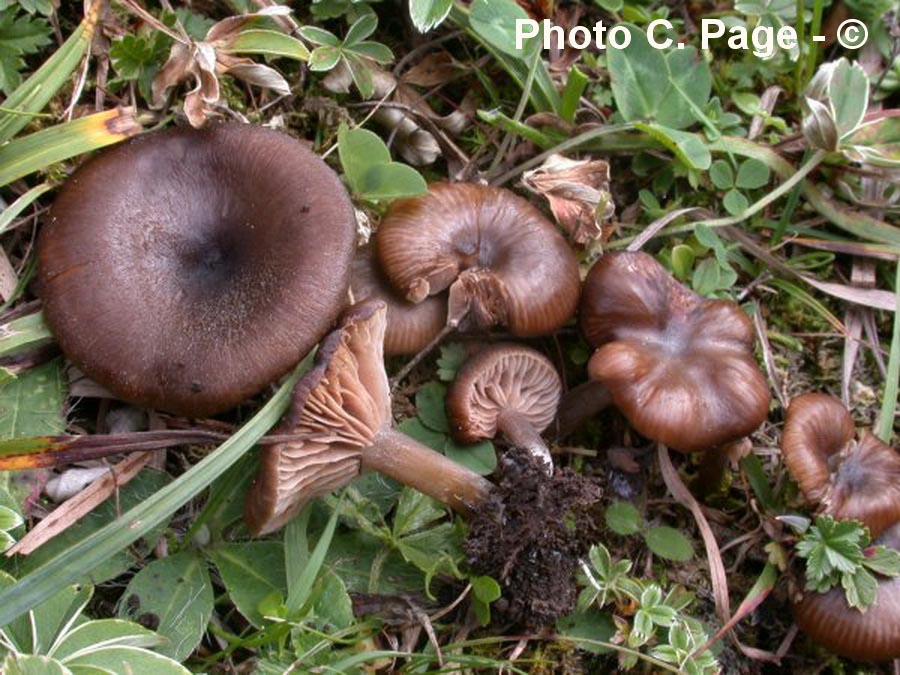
point(341, 420)
point(678, 366)
point(845, 477)
point(185, 270)
point(507, 388)
point(340, 425)
point(410, 326)
point(503, 262)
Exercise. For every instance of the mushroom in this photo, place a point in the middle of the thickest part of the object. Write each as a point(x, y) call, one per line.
point(185, 270)
point(341, 420)
point(845, 478)
point(340, 424)
point(410, 327)
point(873, 635)
point(506, 388)
point(678, 366)
point(503, 262)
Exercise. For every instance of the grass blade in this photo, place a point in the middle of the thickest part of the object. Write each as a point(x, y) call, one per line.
point(300, 588)
point(11, 212)
point(23, 332)
point(33, 94)
point(889, 401)
point(72, 564)
point(41, 149)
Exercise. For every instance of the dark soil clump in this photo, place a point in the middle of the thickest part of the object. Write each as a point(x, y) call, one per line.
point(529, 536)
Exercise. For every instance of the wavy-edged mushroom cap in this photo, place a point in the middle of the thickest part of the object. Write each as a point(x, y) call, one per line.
point(846, 478)
point(503, 261)
point(337, 409)
point(873, 635)
point(187, 269)
point(678, 366)
point(410, 326)
point(500, 380)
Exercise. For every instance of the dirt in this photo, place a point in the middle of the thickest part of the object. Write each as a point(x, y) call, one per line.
point(530, 535)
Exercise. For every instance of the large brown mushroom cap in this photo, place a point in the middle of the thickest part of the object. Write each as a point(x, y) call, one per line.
point(500, 379)
point(410, 326)
point(678, 366)
point(847, 479)
point(873, 635)
point(187, 269)
point(338, 407)
point(502, 260)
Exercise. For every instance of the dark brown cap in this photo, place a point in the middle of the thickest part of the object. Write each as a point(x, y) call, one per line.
point(873, 635)
point(410, 326)
point(503, 261)
point(680, 367)
point(845, 478)
point(187, 269)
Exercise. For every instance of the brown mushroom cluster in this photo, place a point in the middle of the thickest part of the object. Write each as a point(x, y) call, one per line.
point(188, 269)
point(853, 479)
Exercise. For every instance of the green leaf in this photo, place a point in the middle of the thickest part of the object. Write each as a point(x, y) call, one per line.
point(88, 552)
point(133, 55)
point(669, 543)
point(682, 261)
point(752, 174)
point(320, 36)
point(19, 35)
point(687, 147)
point(29, 664)
point(452, 357)
point(26, 331)
point(588, 629)
point(429, 14)
point(42, 149)
point(176, 591)
point(848, 96)
point(623, 518)
point(415, 511)
point(126, 660)
point(140, 488)
point(269, 43)
point(251, 571)
point(362, 28)
point(485, 591)
point(324, 58)
point(300, 580)
point(32, 404)
point(860, 589)
point(480, 457)
point(31, 97)
point(430, 406)
point(372, 50)
point(831, 546)
point(735, 202)
point(721, 174)
point(884, 561)
point(414, 428)
point(369, 170)
point(495, 22)
point(333, 603)
point(9, 519)
point(104, 633)
point(650, 85)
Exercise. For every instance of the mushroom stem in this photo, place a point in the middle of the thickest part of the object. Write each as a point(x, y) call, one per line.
point(713, 465)
point(522, 434)
point(406, 460)
point(579, 404)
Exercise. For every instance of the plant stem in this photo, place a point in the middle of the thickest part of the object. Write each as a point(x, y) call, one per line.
point(406, 460)
point(885, 427)
point(579, 404)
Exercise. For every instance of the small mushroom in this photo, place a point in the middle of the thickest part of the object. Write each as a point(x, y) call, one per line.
point(503, 262)
point(506, 388)
point(410, 326)
point(341, 419)
point(845, 478)
point(678, 366)
point(873, 635)
point(185, 270)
